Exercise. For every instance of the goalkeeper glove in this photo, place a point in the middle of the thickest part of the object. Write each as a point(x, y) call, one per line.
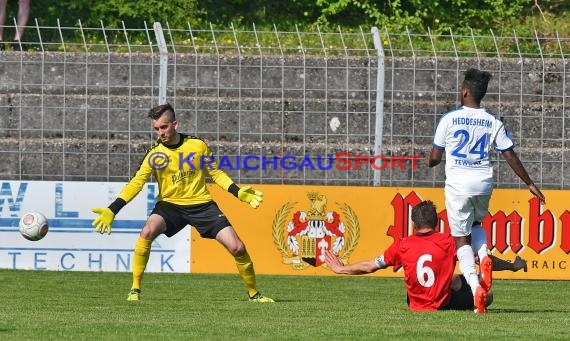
point(251, 196)
point(103, 222)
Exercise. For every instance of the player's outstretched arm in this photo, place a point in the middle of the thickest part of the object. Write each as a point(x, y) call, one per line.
point(104, 219)
point(517, 166)
point(360, 268)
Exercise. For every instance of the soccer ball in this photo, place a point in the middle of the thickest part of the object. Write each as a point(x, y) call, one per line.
point(33, 226)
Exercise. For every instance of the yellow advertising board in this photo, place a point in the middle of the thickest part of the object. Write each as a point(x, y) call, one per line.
point(295, 224)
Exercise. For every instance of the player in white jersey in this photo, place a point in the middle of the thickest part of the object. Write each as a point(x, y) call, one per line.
point(467, 136)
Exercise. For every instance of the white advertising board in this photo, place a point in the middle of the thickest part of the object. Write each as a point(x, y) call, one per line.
point(72, 243)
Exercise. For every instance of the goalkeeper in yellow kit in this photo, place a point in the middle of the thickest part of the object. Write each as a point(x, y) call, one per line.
point(175, 160)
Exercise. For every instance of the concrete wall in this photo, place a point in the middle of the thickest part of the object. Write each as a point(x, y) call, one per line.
point(78, 116)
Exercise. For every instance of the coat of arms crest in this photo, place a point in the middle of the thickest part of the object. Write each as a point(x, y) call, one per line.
point(303, 238)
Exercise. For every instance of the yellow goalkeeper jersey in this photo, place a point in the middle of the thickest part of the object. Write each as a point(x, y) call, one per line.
point(180, 171)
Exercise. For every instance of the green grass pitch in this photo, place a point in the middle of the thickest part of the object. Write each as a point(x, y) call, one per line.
point(41, 305)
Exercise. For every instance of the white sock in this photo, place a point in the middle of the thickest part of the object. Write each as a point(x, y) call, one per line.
point(479, 242)
point(467, 266)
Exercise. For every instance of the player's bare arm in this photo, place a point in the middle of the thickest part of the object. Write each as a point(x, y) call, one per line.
point(435, 157)
point(517, 166)
point(360, 268)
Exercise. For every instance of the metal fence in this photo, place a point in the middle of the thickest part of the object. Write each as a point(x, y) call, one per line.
point(73, 103)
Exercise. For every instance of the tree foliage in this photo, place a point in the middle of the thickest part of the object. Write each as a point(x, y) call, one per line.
point(113, 12)
point(397, 15)
point(438, 15)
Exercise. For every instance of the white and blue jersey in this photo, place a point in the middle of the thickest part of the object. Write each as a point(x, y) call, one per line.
point(467, 135)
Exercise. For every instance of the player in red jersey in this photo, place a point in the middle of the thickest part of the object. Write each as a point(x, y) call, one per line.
point(428, 259)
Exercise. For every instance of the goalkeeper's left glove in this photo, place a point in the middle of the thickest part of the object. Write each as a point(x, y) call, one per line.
point(251, 196)
point(103, 222)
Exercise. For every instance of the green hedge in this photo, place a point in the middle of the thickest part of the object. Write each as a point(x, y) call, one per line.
point(440, 17)
point(415, 15)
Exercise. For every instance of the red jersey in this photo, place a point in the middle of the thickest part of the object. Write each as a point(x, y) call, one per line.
point(429, 263)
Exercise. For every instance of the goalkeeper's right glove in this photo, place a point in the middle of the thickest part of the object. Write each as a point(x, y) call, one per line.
point(103, 222)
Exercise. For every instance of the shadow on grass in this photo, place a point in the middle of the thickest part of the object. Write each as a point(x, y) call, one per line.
point(526, 311)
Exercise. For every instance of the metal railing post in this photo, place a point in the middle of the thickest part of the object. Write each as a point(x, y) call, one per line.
point(379, 123)
point(163, 78)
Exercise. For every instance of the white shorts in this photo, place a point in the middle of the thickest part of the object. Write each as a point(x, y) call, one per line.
point(463, 210)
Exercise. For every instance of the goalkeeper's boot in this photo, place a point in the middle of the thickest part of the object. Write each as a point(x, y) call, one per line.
point(519, 263)
point(134, 295)
point(480, 300)
point(260, 298)
point(486, 273)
